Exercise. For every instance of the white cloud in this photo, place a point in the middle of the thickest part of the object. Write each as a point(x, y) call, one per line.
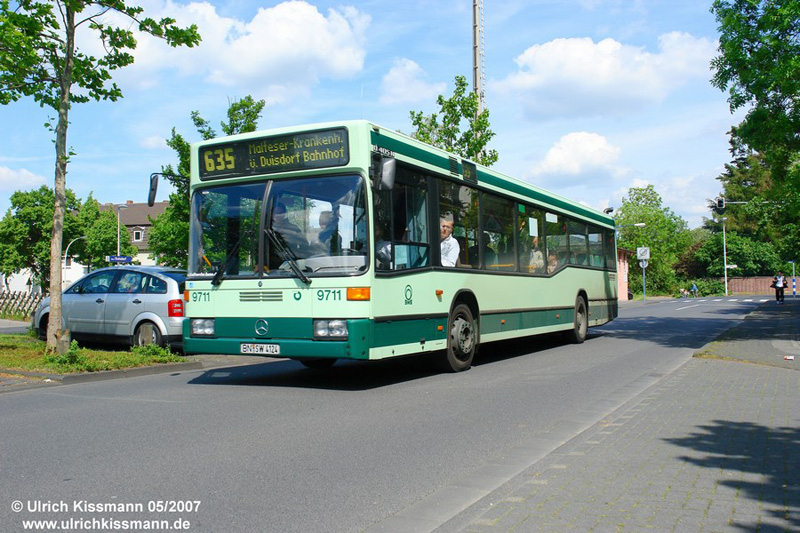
point(578, 77)
point(19, 180)
point(283, 51)
point(153, 142)
point(404, 84)
point(576, 157)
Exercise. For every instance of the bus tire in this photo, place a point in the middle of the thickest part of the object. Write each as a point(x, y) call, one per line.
point(462, 340)
point(318, 364)
point(581, 325)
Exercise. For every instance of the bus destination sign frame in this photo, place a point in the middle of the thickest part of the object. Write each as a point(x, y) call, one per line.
point(275, 153)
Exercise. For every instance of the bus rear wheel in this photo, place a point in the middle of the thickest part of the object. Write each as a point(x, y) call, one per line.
point(462, 340)
point(581, 325)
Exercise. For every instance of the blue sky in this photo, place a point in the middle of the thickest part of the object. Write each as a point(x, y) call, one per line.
point(587, 97)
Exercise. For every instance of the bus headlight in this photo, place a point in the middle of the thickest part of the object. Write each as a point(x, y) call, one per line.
point(202, 327)
point(330, 329)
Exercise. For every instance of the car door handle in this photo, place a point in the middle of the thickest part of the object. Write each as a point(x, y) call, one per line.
point(137, 301)
point(99, 301)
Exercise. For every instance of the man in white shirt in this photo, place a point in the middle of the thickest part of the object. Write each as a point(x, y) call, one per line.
point(449, 245)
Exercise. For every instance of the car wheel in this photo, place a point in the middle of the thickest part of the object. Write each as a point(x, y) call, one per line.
point(462, 340)
point(147, 333)
point(42, 330)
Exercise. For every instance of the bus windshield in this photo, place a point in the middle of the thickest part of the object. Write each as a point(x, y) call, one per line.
point(302, 228)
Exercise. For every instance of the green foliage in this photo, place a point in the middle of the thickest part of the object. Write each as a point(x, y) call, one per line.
point(72, 359)
point(39, 56)
point(154, 352)
point(444, 128)
point(759, 45)
point(26, 230)
point(665, 233)
point(169, 236)
point(751, 257)
point(707, 287)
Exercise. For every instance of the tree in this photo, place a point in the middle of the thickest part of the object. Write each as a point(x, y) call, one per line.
point(443, 129)
point(169, 235)
point(665, 233)
point(759, 45)
point(26, 228)
point(100, 229)
point(40, 58)
point(752, 258)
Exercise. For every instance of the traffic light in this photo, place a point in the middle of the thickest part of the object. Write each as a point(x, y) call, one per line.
point(720, 204)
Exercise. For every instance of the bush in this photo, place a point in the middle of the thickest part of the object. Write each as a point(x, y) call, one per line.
point(73, 357)
point(155, 353)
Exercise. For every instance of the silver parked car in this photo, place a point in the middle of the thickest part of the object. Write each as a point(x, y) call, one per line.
point(132, 304)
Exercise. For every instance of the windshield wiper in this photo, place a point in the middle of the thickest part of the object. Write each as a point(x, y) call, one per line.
point(217, 279)
point(286, 255)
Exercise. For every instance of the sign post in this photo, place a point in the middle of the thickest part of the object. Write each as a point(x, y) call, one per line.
point(643, 255)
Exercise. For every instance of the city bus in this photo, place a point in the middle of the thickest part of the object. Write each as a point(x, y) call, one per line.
point(348, 240)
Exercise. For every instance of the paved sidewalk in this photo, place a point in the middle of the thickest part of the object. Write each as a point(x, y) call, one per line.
point(715, 446)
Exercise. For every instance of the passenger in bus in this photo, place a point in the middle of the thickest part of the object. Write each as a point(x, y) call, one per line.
point(291, 236)
point(329, 232)
point(552, 263)
point(536, 263)
point(449, 246)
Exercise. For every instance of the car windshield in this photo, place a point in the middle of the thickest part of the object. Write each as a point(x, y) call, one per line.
point(303, 228)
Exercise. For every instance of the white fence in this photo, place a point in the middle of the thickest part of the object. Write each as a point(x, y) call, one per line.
point(18, 303)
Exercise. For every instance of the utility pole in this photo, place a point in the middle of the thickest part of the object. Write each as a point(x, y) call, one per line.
point(478, 65)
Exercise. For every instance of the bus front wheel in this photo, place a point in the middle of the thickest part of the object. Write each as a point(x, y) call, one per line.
point(579, 328)
point(317, 364)
point(462, 340)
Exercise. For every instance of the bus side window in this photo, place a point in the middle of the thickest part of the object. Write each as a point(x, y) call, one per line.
point(531, 252)
point(459, 204)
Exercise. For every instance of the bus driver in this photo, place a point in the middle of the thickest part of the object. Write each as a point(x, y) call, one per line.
point(449, 245)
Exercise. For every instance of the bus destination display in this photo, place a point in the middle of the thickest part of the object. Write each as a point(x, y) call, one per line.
point(264, 155)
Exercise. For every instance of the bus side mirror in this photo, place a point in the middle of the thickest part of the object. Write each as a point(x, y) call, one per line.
point(151, 198)
point(383, 172)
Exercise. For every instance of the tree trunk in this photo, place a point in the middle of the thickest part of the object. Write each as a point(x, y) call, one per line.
point(55, 342)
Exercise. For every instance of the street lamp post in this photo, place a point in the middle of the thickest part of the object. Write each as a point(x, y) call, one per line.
point(65, 256)
point(724, 256)
point(119, 208)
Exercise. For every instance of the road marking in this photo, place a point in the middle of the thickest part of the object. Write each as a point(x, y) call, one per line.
point(687, 307)
point(733, 299)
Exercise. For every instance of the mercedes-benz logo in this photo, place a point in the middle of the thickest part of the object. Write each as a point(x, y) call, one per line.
point(262, 327)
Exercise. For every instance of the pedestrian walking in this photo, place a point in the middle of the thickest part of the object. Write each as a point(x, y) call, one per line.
point(779, 283)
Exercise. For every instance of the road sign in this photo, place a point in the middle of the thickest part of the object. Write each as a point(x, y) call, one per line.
point(643, 253)
point(119, 258)
point(732, 266)
point(643, 263)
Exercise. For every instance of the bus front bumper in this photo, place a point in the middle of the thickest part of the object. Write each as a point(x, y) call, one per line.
point(292, 338)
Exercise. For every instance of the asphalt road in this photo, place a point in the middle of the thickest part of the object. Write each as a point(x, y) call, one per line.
point(277, 447)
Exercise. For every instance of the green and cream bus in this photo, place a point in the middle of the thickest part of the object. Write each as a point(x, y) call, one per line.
point(351, 241)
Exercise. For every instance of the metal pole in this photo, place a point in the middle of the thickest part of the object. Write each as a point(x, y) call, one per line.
point(644, 284)
point(725, 256)
point(118, 209)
